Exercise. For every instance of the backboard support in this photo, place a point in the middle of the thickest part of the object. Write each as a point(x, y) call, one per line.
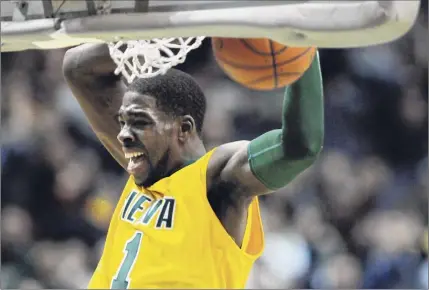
point(49, 24)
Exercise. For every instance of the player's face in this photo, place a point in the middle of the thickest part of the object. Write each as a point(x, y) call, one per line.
point(146, 137)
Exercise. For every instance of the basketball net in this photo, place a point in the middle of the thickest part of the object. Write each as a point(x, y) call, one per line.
point(149, 58)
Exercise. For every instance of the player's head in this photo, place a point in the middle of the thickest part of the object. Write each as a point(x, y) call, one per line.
point(160, 117)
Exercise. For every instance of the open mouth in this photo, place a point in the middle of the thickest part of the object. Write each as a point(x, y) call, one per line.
point(135, 160)
point(134, 156)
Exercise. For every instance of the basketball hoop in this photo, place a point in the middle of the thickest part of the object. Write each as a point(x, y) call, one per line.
point(172, 26)
point(149, 58)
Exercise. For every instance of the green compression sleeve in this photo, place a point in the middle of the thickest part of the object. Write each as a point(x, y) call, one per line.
point(276, 157)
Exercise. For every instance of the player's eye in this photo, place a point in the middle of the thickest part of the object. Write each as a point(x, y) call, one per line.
point(140, 123)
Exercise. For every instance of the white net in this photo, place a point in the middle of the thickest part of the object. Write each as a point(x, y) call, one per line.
point(149, 58)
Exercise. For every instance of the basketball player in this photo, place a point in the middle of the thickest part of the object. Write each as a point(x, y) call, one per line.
point(186, 218)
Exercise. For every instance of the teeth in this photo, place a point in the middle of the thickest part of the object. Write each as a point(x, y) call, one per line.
point(130, 155)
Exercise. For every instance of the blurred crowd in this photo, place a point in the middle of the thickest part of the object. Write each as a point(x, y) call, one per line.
point(356, 219)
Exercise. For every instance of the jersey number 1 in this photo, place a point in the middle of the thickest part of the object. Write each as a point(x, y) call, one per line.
point(121, 279)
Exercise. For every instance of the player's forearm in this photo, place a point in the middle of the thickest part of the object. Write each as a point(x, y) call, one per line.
point(89, 60)
point(89, 73)
point(303, 116)
point(279, 155)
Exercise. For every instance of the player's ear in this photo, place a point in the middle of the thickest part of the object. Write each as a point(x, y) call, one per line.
point(187, 127)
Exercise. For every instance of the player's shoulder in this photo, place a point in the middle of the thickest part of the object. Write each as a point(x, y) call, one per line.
point(227, 151)
point(215, 162)
point(218, 157)
point(226, 157)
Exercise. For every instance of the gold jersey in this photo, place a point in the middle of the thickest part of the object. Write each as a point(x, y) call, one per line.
point(167, 236)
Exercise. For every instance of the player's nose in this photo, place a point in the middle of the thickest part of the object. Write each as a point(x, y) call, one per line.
point(125, 136)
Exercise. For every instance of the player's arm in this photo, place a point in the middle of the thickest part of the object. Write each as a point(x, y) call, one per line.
point(89, 72)
point(273, 159)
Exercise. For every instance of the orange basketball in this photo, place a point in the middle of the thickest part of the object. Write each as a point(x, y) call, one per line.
point(261, 64)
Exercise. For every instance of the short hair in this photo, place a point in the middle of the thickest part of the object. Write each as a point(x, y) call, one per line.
point(176, 93)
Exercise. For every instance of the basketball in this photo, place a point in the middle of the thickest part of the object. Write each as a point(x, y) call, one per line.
point(261, 64)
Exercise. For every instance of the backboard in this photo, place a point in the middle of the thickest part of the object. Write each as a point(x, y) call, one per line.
point(47, 24)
